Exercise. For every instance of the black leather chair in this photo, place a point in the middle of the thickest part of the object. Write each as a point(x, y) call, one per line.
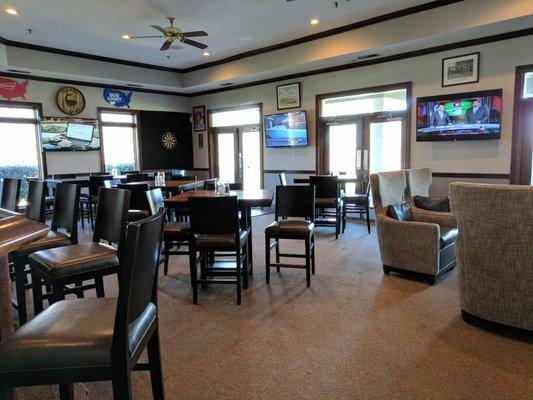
point(88, 201)
point(96, 339)
point(282, 179)
point(10, 194)
point(138, 202)
point(35, 202)
point(65, 217)
point(358, 203)
point(137, 177)
point(327, 201)
point(215, 227)
point(291, 202)
point(75, 264)
point(175, 233)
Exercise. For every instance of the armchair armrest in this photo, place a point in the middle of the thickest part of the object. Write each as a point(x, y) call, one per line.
point(444, 219)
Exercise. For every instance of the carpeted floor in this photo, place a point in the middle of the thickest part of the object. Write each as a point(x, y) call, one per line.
point(355, 334)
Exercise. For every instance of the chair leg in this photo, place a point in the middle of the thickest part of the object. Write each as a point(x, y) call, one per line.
point(99, 282)
point(122, 387)
point(192, 267)
point(66, 391)
point(57, 293)
point(165, 252)
point(81, 216)
point(313, 255)
point(343, 217)
point(368, 218)
point(267, 259)
point(308, 261)
point(239, 274)
point(20, 285)
point(37, 290)
point(203, 267)
point(277, 255)
point(154, 360)
point(245, 275)
point(91, 215)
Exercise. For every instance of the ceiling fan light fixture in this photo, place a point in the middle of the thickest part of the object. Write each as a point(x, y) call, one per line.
point(314, 21)
point(126, 36)
point(206, 54)
point(11, 11)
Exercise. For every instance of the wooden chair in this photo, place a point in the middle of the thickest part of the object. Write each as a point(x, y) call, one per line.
point(358, 203)
point(175, 233)
point(60, 267)
point(88, 201)
point(292, 201)
point(96, 339)
point(327, 198)
point(137, 177)
point(215, 226)
point(138, 203)
point(65, 217)
point(10, 194)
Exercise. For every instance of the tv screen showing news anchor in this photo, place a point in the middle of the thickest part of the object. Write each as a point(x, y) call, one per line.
point(463, 116)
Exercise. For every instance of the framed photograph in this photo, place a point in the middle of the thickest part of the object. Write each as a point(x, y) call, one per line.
point(198, 118)
point(288, 96)
point(460, 70)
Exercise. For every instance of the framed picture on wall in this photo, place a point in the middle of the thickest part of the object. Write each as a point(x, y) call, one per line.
point(198, 118)
point(288, 96)
point(460, 69)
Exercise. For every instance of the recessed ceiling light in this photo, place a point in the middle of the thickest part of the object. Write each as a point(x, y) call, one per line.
point(314, 21)
point(126, 36)
point(11, 11)
point(206, 54)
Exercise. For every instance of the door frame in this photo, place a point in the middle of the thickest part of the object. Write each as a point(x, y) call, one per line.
point(522, 146)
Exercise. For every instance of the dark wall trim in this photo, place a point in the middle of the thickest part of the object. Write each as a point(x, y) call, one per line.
point(91, 84)
point(394, 57)
point(290, 171)
point(470, 175)
point(335, 31)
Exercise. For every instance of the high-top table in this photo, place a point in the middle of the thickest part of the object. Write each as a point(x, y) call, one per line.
point(246, 198)
point(15, 232)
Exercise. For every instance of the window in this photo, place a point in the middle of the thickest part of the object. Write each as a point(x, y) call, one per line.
point(20, 146)
point(244, 116)
point(365, 103)
point(119, 141)
point(528, 85)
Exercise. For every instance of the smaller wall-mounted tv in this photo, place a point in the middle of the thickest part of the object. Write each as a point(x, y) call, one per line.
point(286, 129)
point(463, 116)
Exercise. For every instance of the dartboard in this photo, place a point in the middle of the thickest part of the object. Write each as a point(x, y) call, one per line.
point(169, 140)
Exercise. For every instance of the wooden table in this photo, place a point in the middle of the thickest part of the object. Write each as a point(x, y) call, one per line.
point(246, 198)
point(15, 231)
point(341, 178)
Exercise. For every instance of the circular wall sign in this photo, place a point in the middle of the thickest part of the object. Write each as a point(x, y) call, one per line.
point(169, 141)
point(70, 100)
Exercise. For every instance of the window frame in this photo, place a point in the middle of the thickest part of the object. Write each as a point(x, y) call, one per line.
point(38, 109)
point(134, 125)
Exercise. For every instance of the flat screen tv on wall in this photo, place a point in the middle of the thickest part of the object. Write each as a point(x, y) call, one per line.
point(462, 116)
point(286, 129)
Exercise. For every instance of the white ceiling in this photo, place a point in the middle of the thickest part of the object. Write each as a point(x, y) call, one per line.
point(234, 26)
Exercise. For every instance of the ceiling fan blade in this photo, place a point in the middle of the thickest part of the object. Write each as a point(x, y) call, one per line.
point(195, 44)
point(194, 33)
point(144, 37)
point(166, 45)
point(162, 30)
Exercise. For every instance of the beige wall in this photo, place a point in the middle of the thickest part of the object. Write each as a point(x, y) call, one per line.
point(498, 61)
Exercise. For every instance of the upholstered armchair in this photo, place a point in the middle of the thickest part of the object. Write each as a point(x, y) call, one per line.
point(420, 246)
point(418, 182)
point(495, 252)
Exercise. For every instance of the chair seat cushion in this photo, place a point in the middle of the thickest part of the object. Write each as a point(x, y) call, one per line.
point(177, 231)
point(220, 241)
point(401, 212)
point(329, 203)
point(69, 334)
point(448, 236)
point(290, 228)
point(50, 241)
point(71, 260)
point(441, 204)
point(137, 215)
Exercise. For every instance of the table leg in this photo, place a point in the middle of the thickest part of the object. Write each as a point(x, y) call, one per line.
point(6, 313)
point(250, 251)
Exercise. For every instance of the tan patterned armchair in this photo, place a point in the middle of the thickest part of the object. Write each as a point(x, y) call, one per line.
point(495, 252)
point(420, 246)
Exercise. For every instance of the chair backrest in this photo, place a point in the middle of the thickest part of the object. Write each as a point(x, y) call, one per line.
point(96, 182)
point(137, 178)
point(326, 186)
point(388, 188)
point(10, 194)
point(214, 215)
point(64, 176)
point(138, 282)
point(138, 199)
point(66, 208)
point(184, 178)
point(282, 179)
point(209, 184)
point(112, 183)
point(155, 200)
point(99, 173)
point(495, 251)
point(131, 172)
point(177, 173)
point(111, 215)
point(35, 209)
point(418, 181)
point(295, 201)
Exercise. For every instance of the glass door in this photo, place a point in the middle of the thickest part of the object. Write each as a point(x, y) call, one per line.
point(250, 158)
point(227, 152)
point(383, 144)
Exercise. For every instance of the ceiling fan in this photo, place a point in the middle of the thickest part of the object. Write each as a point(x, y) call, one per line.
point(172, 34)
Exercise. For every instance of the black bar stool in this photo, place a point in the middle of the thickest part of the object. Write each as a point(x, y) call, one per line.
point(327, 198)
point(96, 339)
point(292, 201)
point(358, 203)
point(75, 264)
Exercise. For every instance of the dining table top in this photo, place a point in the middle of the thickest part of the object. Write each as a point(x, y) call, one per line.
point(246, 198)
point(341, 178)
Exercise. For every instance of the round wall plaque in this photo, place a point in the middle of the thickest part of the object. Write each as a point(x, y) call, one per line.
point(169, 141)
point(70, 100)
